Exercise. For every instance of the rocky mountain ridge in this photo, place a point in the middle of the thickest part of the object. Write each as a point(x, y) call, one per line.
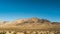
point(30, 23)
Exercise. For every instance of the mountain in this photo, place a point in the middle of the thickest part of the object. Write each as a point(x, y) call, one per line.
point(30, 23)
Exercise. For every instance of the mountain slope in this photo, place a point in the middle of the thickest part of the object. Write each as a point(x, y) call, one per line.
point(30, 23)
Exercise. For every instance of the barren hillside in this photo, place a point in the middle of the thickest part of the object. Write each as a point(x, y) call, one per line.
point(30, 23)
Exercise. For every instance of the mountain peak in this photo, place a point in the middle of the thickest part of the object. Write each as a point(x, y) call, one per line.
point(31, 20)
point(31, 23)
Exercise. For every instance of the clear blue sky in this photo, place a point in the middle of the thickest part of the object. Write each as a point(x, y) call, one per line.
point(14, 9)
